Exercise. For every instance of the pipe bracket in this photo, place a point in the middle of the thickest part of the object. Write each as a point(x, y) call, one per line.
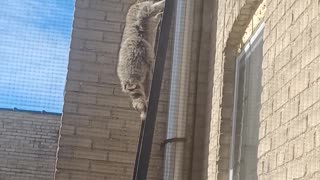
point(172, 140)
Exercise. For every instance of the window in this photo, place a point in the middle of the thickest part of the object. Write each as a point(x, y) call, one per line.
point(247, 105)
point(34, 48)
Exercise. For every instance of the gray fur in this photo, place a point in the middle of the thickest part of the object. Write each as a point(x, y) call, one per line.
point(136, 55)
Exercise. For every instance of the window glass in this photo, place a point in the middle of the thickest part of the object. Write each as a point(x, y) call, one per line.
point(247, 108)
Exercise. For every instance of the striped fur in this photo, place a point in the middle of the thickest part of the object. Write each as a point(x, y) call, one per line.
point(136, 54)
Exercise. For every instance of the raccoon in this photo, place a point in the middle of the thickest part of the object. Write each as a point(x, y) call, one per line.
point(136, 54)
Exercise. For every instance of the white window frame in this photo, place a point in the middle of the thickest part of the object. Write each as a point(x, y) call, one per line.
point(247, 50)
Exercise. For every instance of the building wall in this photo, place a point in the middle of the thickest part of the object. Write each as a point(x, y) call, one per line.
point(289, 132)
point(233, 17)
point(100, 130)
point(206, 25)
point(28, 145)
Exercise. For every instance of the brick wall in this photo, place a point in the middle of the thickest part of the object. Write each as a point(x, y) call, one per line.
point(206, 25)
point(28, 144)
point(289, 132)
point(233, 17)
point(100, 130)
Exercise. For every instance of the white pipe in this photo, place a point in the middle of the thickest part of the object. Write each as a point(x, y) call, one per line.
point(179, 91)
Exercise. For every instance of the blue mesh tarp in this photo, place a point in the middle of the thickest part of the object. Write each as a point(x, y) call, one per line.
point(34, 47)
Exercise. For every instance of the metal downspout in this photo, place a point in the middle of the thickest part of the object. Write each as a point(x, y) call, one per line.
point(179, 91)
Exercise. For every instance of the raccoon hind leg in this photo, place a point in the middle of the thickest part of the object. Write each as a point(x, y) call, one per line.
point(158, 6)
point(139, 101)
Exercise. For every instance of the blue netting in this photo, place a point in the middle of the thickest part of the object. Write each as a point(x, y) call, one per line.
point(34, 46)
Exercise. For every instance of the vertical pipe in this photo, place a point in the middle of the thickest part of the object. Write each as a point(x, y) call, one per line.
point(179, 91)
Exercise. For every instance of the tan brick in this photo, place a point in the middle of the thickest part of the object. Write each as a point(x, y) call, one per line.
point(115, 123)
point(93, 110)
point(315, 52)
point(101, 47)
point(265, 94)
point(313, 117)
point(96, 88)
point(262, 129)
point(297, 127)
point(261, 164)
point(70, 107)
point(103, 25)
point(122, 157)
point(75, 141)
point(62, 175)
point(76, 120)
point(314, 19)
point(281, 97)
point(309, 97)
point(112, 37)
point(99, 68)
point(272, 158)
point(277, 83)
point(281, 156)
point(82, 3)
point(298, 147)
point(90, 14)
point(289, 153)
point(114, 101)
point(127, 115)
point(297, 171)
point(107, 58)
point(74, 164)
point(292, 69)
point(282, 59)
point(82, 56)
point(109, 144)
point(93, 132)
point(279, 137)
point(116, 17)
point(88, 34)
point(77, 44)
point(280, 174)
point(313, 164)
point(82, 76)
point(80, 98)
point(266, 109)
point(67, 130)
point(86, 177)
point(107, 167)
point(314, 72)
point(91, 154)
point(124, 135)
point(108, 78)
point(268, 74)
point(80, 23)
point(291, 110)
point(295, 30)
point(75, 66)
point(264, 146)
point(109, 6)
point(317, 138)
point(299, 83)
point(309, 141)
